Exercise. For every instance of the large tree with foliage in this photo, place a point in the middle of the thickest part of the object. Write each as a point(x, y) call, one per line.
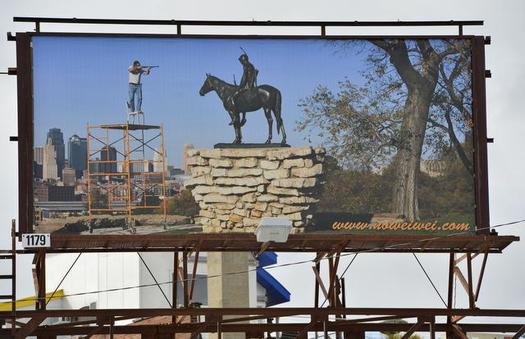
point(416, 93)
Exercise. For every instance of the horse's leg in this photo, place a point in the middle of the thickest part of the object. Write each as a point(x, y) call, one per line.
point(283, 141)
point(243, 120)
point(268, 114)
point(277, 112)
point(236, 127)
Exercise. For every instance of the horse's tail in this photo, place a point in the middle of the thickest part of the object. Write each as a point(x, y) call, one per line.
point(277, 111)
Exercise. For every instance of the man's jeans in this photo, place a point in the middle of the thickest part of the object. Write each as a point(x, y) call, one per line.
point(135, 91)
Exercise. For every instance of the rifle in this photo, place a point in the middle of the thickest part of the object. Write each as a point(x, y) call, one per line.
point(149, 67)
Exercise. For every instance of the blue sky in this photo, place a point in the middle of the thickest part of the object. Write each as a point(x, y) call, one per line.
point(81, 80)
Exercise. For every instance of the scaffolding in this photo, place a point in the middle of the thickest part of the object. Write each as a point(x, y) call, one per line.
point(126, 169)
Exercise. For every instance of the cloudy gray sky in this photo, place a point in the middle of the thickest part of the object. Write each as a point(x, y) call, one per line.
point(373, 280)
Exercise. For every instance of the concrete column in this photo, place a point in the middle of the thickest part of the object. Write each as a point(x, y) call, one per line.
point(228, 290)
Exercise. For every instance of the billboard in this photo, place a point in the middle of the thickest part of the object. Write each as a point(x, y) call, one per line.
point(184, 134)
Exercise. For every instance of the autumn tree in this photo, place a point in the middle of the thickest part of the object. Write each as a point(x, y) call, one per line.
point(411, 97)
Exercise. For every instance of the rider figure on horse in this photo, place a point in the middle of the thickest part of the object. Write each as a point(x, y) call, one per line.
point(248, 81)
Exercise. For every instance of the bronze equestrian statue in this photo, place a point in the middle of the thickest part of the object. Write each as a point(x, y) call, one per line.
point(247, 97)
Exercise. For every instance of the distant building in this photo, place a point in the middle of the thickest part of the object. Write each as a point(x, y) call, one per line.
point(50, 165)
point(173, 171)
point(159, 164)
point(61, 193)
point(185, 150)
point(108, 153)
point(38, 155)
point(40, 191)
point(77, 154)
point(37, 170)
point(57, 140)
point(69, 176)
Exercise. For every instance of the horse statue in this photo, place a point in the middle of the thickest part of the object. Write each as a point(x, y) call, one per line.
point(265, 96)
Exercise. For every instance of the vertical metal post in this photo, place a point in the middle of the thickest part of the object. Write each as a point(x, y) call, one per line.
point(472, 304)
point(13, 273)
point(175, 282)
point(481, 274)
point(185, 278)
point(318, 268)
point(330, 282)
point(432, 331)
point(450, 292)
point(89, 188)
point(163, 185)
point(42, 281)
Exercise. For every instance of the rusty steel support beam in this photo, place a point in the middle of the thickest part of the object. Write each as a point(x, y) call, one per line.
point(431, 329)
point(211, 327)
point(174, 283)
point(41, 280)
point(519, 333)
point(450, 291)
point(317, 268)
point(412, 329)
point(185, 278)
point(194, 274)
point(320, 281)
point(269, 312)
point(472, 303)
point(481, 274)
point(29, 327)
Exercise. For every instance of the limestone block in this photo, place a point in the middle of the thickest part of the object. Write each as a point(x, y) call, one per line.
point(289, 163)
point(224, 206)
point(200, 170)
point(295, 182)
point(276, 174)
point(249, 181)
point(214, 197)
point(243, 172)
point(307, 172)
point(293, 209)
point(201, 180)
point(269, 165)
point(196, 161)
point(210, 153)
point(243, 152)
point(298, 200)
point(225, 163)
point(285, 153)
point(218, 172)
point(192, 152)
point(261, 206)
point(267, 198)
point(250, 222)
point(246, 162)
point(236, 218)
point(282, 191)
point(250, 197)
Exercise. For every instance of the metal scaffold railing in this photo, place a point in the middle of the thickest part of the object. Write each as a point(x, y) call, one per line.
point(126, 171)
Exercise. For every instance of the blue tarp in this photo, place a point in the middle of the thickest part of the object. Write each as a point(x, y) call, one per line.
point(275, 291)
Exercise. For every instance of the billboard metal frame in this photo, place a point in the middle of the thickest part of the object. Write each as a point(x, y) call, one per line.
point(25, 95)
point(328, 248)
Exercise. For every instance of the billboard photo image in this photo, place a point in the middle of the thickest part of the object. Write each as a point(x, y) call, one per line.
point(142, 135)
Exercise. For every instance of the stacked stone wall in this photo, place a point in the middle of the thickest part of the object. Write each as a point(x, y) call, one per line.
point(235, 188)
